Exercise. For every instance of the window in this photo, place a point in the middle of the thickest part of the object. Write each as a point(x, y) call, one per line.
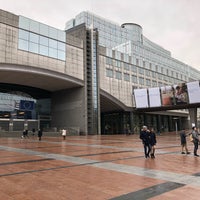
point(148, 82)
point(154, 74)
point(42, 45)
point(144, 64)
point(35, 38)
point(23, 44)
point(147, 73)
point(134, 79)
point(141, 71)
point(154, 83)
point(126, 66)
point(118, 63)
point(141, 81)
point(137, 61)
point(109, 73)
point(118, 55)
point(126, 77)
point(134, 68)
point(118, 75)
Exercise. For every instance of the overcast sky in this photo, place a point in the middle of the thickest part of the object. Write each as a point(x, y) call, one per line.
point(173, 24)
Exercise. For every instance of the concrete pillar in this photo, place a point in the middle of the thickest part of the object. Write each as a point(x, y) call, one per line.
point(193, 117)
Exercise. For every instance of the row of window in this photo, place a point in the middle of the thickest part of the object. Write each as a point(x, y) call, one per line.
point(41, 29)
point(163, 73)
point(42, 45)
point(134, 79)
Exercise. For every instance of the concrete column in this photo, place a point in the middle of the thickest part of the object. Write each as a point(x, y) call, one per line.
point(193, 117)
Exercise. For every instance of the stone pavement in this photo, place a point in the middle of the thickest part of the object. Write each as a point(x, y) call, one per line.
point(96, 168)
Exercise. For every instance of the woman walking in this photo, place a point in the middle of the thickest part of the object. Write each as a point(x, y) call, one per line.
point(152, 142)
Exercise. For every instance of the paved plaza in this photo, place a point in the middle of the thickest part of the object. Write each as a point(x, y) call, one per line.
point(96, 168)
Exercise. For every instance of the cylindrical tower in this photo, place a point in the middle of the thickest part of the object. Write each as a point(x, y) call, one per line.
point(134, 31)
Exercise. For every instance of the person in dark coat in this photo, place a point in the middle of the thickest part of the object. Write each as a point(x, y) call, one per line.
point(196, 140)
point(183, 136)
point(40, 134)
point(145, 137)
point(152, 142)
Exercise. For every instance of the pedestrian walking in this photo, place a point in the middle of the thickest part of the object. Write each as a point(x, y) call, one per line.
point(195, 136)
point(145, 137)
point(64, 133)
point(152, 142)
point(40, 134)
point(184, 149)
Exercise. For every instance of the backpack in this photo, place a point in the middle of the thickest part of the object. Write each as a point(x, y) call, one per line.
point(191, 137)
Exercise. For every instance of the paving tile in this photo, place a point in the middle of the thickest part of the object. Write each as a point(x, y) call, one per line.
point(96, 167)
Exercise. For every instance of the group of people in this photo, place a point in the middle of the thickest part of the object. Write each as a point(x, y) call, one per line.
point(25, 133)
point(194, 135)
point(148, 138)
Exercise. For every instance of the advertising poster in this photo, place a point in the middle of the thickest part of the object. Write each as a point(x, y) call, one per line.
point(193, 92)
point(154, 97)
point(167, 95)
point(180, 94)
point(141, 98)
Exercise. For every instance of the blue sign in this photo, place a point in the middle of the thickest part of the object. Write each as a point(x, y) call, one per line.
point(26, 105)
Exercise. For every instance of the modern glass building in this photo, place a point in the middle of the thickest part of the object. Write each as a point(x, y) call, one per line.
point(83, 77)
point(129, 60)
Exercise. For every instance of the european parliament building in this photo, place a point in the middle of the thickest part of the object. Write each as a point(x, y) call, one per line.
point(82, 78)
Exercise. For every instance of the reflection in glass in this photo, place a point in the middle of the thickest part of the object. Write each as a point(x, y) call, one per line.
point(61, 55)
point(53, 53)
point(34, 38)
point(44, 41)
point(23, 44)
point(24, 22)
point(34, 26)
point(43, 50)
point(33, 47)
point(53, 43)
point(35, 43)
point(61, 46)
point(23, 34)
point(53, 33)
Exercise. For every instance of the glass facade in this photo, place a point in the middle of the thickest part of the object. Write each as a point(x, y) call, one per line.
point(137, 50)
point(41, 39)
point(19, 105)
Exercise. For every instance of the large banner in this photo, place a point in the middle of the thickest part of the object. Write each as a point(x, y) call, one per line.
point(171, 95)
point(154, 97)
point(141, 98)
point(194, 92)
point(180, 94)
point(167, 95)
